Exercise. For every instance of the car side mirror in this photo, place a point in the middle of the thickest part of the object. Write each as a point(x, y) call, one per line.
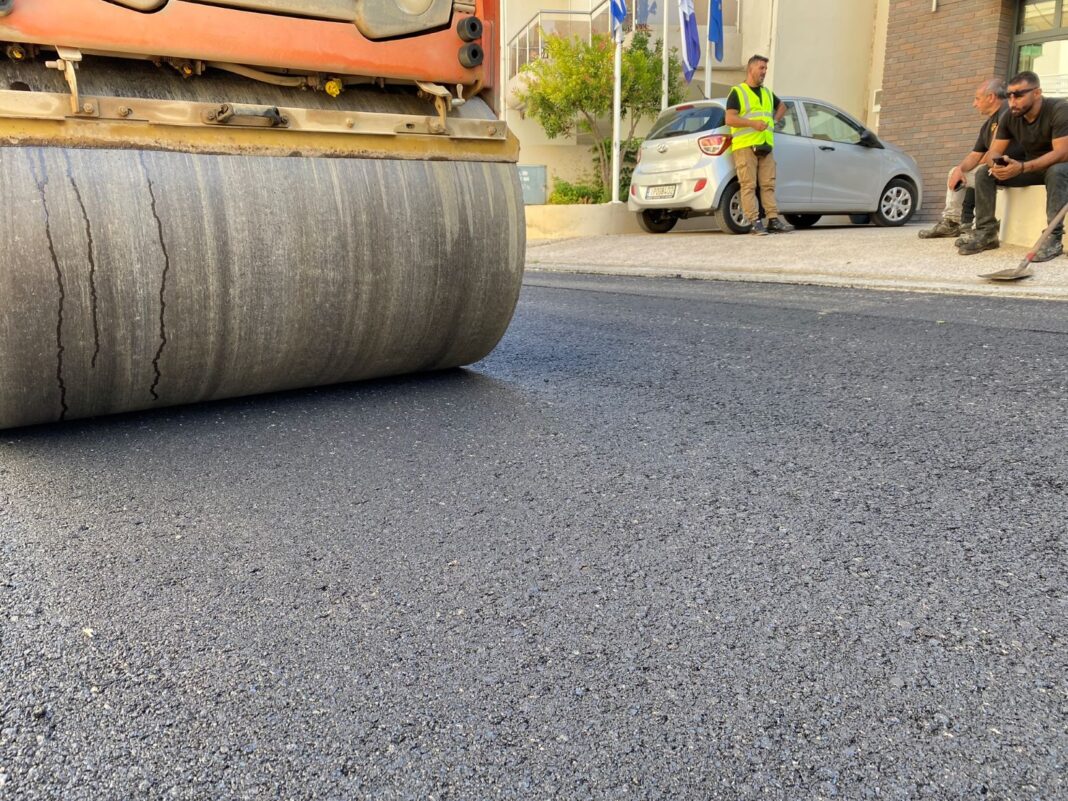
point(868, 139)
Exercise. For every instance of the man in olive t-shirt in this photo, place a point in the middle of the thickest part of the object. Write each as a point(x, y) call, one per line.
point(1040, 126)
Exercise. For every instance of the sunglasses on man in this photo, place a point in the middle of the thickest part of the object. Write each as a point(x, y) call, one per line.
point(1021, 92)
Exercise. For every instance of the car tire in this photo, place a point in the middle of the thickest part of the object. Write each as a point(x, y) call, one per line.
point(729, 211)
point(656, 221)
point(897, 204)
point(802, 220)
point(860, 219)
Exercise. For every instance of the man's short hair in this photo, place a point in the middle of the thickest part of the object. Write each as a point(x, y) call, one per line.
point(995, 87)
point(1028, 77)
point(754, 59)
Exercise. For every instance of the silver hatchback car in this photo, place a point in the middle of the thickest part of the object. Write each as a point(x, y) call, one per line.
point(826, 163)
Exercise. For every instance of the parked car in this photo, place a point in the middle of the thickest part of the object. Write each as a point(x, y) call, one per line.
point(826, 163)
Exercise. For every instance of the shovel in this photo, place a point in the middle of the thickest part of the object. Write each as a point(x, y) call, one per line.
point(1023, 270)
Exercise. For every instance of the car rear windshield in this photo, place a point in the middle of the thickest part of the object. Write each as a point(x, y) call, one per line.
point(687, 120)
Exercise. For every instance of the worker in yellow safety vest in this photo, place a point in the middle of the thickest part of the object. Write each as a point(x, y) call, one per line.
point(752, 111)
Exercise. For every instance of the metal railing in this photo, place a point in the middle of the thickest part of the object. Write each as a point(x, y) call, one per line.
point(529, 44)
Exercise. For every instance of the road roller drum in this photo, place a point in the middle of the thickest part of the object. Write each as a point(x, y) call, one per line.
point(183, 229)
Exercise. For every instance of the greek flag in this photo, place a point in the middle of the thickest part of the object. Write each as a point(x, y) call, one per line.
point(715, 26)
point(619, 13)
point(691, 39)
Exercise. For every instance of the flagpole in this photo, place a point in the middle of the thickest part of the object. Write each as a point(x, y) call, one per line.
point(682, 40)
point(708, 57)
point(663, 73)
point(616, 112)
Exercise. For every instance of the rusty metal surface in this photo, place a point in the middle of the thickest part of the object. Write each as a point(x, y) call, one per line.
point(137, 104)
point(192, 30)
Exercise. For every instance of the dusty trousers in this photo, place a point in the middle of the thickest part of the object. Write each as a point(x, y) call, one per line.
point(754, 170)
point(1055, 178)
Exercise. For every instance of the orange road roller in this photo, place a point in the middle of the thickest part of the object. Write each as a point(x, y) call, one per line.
point(215, 198)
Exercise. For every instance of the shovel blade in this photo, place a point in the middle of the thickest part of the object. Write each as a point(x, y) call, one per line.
point(1011, 274)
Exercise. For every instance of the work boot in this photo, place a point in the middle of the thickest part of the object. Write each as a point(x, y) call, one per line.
point(1050, 250)
point(943, 229)
point(758, 229)
point(777, 225)
point(978, 242)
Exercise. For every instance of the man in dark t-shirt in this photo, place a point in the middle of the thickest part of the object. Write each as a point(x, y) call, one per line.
point(1039, 125)
point(989, 100)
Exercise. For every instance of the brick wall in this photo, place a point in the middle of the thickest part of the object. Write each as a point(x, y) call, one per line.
point(934, 62)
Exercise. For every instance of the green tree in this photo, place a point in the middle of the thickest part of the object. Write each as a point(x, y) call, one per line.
point(569, 89)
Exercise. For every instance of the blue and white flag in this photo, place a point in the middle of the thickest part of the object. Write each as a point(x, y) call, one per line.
point(691, 39)
point(715, 26)
point(619, 13)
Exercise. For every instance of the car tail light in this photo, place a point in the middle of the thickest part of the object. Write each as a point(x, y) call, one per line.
point(714, 145)
point(633, 191)
point(701, 184)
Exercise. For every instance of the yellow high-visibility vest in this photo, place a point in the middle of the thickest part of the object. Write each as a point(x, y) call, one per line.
point(754, 107)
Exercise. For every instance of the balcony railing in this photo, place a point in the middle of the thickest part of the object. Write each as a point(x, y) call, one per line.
point(529, 43)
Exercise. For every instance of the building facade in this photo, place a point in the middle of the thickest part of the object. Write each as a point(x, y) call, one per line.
point(939, 52)
point(793, 34)
point(906, 68)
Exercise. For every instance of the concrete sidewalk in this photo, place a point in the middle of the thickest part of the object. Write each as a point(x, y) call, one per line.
point(849, 256)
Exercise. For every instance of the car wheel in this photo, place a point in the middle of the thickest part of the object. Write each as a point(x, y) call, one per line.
point(897, 204)
point(860, 219)
point(656, 221)
point(802, 220)
point(730, 214)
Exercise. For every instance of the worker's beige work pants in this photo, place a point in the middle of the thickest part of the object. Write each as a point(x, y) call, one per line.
point(955, 197)
point(753, 170)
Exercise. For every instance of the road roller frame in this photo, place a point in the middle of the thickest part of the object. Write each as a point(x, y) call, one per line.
point(314, 54)
point(185, 30)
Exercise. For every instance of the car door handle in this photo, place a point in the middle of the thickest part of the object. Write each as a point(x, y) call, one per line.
point(826, 147)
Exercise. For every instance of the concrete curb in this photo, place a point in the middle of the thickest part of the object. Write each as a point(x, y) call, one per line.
point(1005, 290)
point(856, 258)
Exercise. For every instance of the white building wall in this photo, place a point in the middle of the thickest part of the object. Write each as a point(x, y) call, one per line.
point(823, 48)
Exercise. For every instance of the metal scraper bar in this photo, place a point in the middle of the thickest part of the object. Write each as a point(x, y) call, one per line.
point(56, 106)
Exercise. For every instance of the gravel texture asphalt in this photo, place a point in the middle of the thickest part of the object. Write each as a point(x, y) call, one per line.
point(671, 540)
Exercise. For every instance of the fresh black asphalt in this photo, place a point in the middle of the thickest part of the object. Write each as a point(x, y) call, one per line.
point(671, 540)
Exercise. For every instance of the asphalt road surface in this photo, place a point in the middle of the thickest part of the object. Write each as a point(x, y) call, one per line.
point(672, 540)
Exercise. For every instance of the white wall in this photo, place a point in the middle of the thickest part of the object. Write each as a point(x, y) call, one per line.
point(878, 60)
point(823, 48)
point(519, 12)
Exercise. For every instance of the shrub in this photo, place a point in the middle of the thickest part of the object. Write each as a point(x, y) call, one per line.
point(565, 193)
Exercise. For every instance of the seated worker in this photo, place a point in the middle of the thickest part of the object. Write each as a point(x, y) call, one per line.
point(989, 100)
point(1040, 126)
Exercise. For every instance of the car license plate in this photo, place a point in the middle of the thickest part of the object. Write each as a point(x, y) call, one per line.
point(660, 192)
